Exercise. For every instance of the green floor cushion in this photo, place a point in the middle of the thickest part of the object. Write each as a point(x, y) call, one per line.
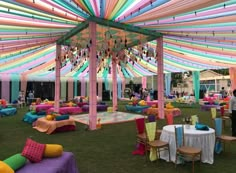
point(16, 161)
point(5, 168)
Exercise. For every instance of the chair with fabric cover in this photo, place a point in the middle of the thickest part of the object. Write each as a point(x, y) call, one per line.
point(194, 119)
point(223, 116)
point(220, 138)
point(155, 145)
point(152, 118)
point(213, 113)
point(169, 119)
point(141, 137)
point(183, 151)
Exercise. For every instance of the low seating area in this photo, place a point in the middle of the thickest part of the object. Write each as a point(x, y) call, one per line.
point(153, 102)
point(137, 109)
point(29, 117)
point(138, 106)
point(100, 107)
point(52, 126)
point(154, 111)
point(6, 109)
point(168, 110)
point(64, 164)
point(7, 112)
point(214, 102)
point(67, 110)
point(38, 157)
point(43, 107)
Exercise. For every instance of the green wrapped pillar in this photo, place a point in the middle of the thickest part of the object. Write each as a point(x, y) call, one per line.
point(196, 84)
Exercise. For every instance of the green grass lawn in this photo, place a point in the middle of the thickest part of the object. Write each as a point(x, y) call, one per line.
point(109, 149)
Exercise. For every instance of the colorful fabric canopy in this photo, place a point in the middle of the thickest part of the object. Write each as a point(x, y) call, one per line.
point(197, 35)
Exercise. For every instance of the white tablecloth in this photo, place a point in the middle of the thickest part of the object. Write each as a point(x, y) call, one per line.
point(195, 138)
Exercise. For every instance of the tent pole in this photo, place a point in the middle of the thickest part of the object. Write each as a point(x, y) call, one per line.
point(57, 81)
point(232, 74)
point(92, 78)
point(160, 76)
point(114, 83)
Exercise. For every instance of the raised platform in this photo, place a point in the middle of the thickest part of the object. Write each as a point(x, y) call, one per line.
point(108, 117)
point(49, 127)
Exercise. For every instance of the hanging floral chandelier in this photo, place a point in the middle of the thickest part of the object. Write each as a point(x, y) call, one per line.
point(110, 46)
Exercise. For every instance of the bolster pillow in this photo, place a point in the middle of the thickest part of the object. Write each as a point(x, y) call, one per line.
point(62, 117)
point(16, 161)
point(5, 168)
point(53, 150)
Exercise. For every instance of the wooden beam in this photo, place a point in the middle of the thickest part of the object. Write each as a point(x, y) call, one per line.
point(73, 32)
point(124, 27)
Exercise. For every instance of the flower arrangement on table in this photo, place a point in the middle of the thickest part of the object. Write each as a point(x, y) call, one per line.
point(187, 120)
point(180, 100)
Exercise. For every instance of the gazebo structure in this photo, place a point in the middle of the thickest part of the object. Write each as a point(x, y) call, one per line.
point(96, 40)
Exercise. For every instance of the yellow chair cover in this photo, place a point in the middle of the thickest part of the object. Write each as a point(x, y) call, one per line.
point(213, 113)
point(151, 134)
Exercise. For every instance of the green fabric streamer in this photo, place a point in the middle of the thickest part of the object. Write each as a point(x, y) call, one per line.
point(196, 84)
point(15, 85)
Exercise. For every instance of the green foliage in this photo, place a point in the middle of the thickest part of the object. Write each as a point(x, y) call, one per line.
point(222, 71)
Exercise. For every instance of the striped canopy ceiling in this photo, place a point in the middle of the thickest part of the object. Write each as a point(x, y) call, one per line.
point(197, 35)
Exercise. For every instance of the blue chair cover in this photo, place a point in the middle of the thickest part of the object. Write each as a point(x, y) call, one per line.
point(218, 128)
point(179, 136)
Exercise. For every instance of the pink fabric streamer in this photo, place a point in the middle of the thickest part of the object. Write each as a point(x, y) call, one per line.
point(232, 73)
point(70, 89)
point(144, 82)
point(23, 84)
point(6, 87)
point(83, 87)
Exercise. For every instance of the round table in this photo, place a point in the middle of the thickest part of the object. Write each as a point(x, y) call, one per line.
point(195, 138)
